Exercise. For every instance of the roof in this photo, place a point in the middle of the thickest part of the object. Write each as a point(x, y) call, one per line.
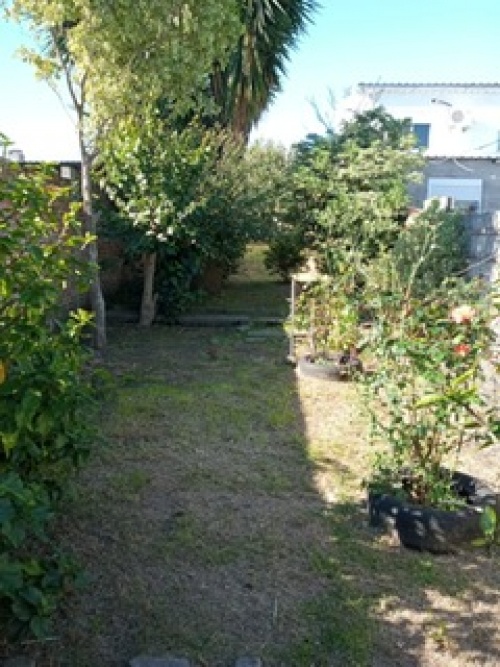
point(381, 84)
point(442, 158)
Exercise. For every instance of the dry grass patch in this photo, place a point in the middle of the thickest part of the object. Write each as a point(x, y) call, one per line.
point(224, 515)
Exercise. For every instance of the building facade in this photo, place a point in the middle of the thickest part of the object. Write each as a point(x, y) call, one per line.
point(458, 128)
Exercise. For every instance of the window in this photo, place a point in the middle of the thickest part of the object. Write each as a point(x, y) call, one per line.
point(422, 132)
point(465, 192)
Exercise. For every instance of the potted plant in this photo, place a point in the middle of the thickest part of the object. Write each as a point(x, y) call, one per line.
point(328, 313)
point(426, 404)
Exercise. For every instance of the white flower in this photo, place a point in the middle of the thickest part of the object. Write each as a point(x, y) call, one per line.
point(462, 314)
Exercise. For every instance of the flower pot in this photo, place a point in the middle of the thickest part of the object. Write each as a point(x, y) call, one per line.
point(333, 367)
point(212, 278)
point(432, 529)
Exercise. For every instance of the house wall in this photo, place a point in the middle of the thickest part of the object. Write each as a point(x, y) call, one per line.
point(487, 170)
point(434, 104)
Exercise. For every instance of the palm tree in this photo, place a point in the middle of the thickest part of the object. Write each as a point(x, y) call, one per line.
point(245, 87)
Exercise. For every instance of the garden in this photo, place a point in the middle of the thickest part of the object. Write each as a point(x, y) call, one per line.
point(187, 491)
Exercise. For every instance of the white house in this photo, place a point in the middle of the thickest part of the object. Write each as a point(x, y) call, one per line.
point(457, 125)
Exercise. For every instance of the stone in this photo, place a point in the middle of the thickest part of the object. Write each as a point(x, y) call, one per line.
point(19, 661)
point(248, 662)
point(146, 661)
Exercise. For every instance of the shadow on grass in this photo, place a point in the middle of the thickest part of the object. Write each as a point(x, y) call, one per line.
point(206, 529)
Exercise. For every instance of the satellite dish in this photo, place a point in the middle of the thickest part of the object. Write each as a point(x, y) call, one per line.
point(460, 119)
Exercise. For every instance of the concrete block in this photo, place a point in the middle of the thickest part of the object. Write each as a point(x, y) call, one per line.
point(147, 661)
point(19, 661)
point(248, 662)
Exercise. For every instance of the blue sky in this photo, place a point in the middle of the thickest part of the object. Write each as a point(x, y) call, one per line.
point(350, 41)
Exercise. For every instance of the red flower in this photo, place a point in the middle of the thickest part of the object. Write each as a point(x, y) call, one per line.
point(462, 349)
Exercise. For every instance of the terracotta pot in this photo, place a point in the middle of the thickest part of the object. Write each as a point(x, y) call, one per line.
point(212, 278)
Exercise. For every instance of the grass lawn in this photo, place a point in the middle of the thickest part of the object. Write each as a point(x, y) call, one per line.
point(252, 291)
point(222, 515)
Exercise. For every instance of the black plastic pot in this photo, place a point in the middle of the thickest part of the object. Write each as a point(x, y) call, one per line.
point(432, 529)
point(334, 367)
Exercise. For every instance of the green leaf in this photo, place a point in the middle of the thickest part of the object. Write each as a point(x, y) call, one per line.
point(28, 408)
point(9, 441)
point(488, 522)
point(433, 399)
point(6, 510)
point(40, 626)
point(33, 568)
point(11, 576)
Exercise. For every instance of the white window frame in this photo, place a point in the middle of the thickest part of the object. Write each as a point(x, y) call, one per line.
point(461, 189)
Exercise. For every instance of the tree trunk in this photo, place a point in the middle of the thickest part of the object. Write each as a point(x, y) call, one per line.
point(90, 226)
point(148, 303)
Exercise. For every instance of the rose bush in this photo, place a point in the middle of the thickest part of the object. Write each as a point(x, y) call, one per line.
point(428, 345)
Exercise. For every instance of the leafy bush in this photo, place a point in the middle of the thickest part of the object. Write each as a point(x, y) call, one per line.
point(432, 246)
point(44, 396)
point(426, 384)
point(285, 253)
point(430, 335)
point(328, 311)
point(182, 197)
point(348, 192)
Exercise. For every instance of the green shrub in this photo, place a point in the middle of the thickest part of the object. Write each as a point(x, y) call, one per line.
point(44, 396)
point(286, 253)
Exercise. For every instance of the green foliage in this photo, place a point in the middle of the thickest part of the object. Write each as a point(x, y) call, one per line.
point(244, 86)
point(328, 311)
point(266, 188)
point(429, 336)
point(347, 193)
point(430, 249)
point(44, 398)
point(286, 253)
point(371, 163)
point(192, 196)
point(113, 59)
point(123, 55)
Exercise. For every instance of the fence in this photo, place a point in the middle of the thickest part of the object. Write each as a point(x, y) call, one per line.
point(484, 244)
point(484, 255)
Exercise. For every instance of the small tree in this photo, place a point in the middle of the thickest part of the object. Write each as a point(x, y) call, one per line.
point(348, 191)
point(177, 188)
point(116, 57)
point(364, 201)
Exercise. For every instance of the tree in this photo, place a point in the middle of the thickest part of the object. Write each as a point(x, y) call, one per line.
point(171, 187)
point(114, 57)
point(244, 87)
point(352, 188)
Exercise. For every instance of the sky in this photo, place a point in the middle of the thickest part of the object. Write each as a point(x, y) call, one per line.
point(349, 41)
